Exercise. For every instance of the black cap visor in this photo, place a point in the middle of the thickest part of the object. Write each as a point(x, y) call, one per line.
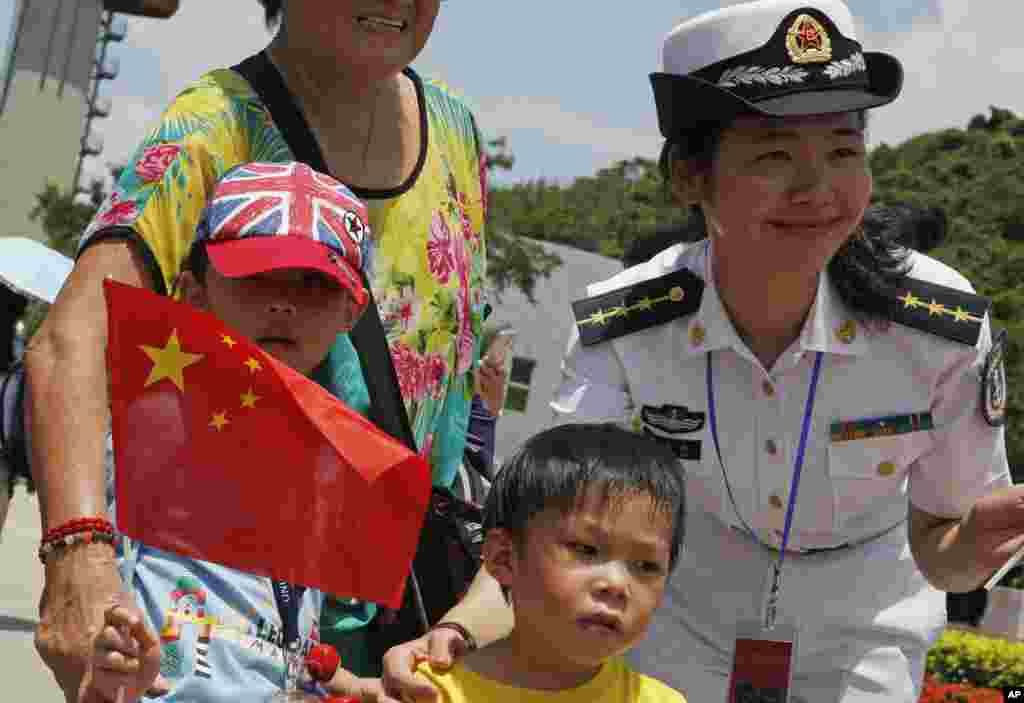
point(685, 101)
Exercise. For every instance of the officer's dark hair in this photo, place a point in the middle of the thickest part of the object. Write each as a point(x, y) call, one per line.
point(914, 227)
point(272, 11)
point(646, 245)
point(559, 466)
point(868, 268)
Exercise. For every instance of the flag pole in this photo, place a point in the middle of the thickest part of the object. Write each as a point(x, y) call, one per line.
point(417, 596)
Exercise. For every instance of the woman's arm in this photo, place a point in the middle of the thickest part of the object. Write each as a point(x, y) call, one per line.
point(483, 612)
point(959, 555)
point(67, 410)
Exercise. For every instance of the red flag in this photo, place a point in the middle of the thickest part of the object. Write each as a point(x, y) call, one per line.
point(227, 455)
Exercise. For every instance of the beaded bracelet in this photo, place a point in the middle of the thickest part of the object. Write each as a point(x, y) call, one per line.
point(467, 638)
point(48, 547)
point(83, 524)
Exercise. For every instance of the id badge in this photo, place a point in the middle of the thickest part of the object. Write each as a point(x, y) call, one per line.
point(762, 665)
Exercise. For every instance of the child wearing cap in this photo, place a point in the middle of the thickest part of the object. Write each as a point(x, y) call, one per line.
point(278, 255)
point(584, 525)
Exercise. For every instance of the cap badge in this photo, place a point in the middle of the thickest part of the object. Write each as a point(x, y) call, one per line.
point(808, 42)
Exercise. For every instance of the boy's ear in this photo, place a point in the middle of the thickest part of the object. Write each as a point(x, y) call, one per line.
point(500, 551)
point(192, 291)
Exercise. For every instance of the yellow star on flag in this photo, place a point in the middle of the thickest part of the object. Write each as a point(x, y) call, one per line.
point(219, 421)
point(228, 341)
point(249, 399)
point(169, 362)
point(253, 365)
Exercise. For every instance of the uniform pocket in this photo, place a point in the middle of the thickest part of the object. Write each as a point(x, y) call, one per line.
point(868, 474)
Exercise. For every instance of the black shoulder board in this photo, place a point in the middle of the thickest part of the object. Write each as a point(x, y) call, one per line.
point(637, 307)
point(940, 310)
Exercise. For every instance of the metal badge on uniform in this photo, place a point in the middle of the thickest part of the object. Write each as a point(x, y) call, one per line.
point(993, 382)
point(762, 663)
point(667, 423)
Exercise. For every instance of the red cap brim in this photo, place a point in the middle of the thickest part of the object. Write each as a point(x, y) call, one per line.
point(237, 258)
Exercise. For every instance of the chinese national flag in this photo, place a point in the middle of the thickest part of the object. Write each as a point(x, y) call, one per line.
point(227, 455)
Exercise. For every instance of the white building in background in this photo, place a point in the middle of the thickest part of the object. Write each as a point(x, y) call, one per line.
point(46, 67)
point(541, 342)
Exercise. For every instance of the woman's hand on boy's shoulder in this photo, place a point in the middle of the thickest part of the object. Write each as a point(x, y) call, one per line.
point(440, 647)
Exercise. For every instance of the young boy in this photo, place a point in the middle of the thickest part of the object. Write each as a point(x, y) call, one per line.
point(216, 633)
point(584, 525)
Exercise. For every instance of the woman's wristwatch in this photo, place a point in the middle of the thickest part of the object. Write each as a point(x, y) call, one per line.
point(467, 638)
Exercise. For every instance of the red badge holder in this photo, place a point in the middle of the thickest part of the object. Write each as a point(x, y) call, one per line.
point(762, 665)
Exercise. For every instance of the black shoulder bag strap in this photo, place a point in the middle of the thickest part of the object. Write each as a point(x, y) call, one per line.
point(387, 407)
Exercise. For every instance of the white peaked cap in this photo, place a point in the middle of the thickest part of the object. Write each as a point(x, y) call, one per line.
point(721, 34)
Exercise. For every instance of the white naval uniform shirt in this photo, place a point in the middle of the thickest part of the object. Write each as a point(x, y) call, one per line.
point(850, 603)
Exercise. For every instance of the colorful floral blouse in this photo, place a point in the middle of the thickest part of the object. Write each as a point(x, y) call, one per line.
point(425, 261)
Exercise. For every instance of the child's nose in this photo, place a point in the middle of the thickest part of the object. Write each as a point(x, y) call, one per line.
point(613, 581)
point(281, 307)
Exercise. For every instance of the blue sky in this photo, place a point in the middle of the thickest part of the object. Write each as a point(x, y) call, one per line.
point(566, 80)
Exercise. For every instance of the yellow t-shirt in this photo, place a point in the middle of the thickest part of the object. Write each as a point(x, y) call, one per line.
point(615, 683)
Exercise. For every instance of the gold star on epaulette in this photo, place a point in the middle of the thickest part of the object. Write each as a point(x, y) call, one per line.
point(935, 308)
point(253, 364)
point(598, 318)
point(961, 315)
point(911, 301)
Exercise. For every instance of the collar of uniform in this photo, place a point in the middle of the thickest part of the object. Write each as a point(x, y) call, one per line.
point(830, 327)
point(710, 329)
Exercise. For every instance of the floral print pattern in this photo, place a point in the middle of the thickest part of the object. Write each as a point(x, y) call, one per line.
point(155, 161)
point(426, 244)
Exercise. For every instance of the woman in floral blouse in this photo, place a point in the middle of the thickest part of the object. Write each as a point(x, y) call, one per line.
point(334, 87)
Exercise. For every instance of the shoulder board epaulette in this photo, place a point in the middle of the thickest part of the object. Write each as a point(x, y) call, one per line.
point(940, 310)
point(637, 306)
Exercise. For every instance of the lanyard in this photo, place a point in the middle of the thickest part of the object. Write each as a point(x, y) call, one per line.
point(289, 600)
point(773, 594)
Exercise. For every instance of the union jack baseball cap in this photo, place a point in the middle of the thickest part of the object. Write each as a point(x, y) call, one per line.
point(270, 216)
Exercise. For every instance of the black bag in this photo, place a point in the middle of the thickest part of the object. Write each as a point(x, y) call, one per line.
point(445, 563)
point(13, 444)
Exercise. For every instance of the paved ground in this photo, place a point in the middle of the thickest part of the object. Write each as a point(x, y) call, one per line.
point(25, 678)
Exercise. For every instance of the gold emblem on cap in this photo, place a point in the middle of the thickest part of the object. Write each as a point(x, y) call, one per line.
point(886, 468)
point(676, 295)
point(847, 332)
point(697, 334)
point(808, 42)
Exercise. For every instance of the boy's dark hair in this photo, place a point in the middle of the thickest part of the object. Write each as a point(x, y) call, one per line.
point(272, 11)
point(869, 267)
point(555, 467)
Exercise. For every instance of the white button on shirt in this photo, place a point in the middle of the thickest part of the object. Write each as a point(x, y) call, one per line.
point(849, 491)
